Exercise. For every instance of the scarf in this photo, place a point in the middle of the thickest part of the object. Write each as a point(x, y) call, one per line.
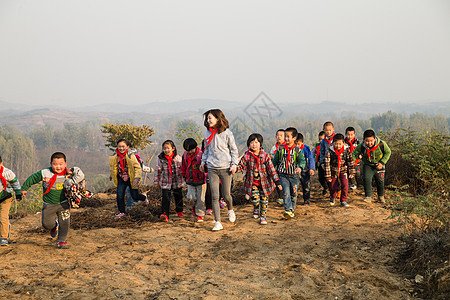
point(122, 156)
point(278, 145)
point(170, 159)
point(210, 138)
point(371, 150)
point(302, 147)
point(317, 152)
point(352, 147)
point(53, 179)
point(338, 153)
point(330, 139)
point(190, 158)
point(255, 157)
point(288, 160)
point(3, 178)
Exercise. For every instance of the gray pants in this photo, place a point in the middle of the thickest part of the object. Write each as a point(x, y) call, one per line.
point(196, 196)
point(60, 211)
point(225, 177)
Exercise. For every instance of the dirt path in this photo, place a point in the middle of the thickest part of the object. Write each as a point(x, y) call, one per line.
point(324, 253)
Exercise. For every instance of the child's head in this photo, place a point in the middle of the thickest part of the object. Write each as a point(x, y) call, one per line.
point(58, 162)
point(299, 140)
point(168, 147)
point(216, 119)
point(350, 133)
point(190, 145)
point(321, 135)
point(280, 136)
point(254, 142)
point(328, 128)
point(123, 145)
point(338, 141)
point(370, 138)
point(290, 135)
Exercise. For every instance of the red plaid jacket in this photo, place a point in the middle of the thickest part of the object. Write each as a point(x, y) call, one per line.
point(165, 180)
point(331, 163)
point(267, 173)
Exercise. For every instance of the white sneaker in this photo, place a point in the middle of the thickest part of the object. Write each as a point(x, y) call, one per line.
point(231, 216)
point(217, 226)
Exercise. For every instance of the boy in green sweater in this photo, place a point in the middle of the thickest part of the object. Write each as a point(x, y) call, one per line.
point(56, 209)
point(374, 153)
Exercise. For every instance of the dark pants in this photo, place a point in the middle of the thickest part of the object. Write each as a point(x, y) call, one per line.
point(369, 173)
point(177, 194)
point(208, 197)
point(121, 189)
point(322, 180)
point(354, 180)
point(305, 180)
point(334, 186)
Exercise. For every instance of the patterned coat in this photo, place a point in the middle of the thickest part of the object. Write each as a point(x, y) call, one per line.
point(267, 173)
point(166, 180)
point(332, 169)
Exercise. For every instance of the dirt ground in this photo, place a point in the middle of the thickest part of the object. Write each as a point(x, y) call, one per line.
point(323, 253)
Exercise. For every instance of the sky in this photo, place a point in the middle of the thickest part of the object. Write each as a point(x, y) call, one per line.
point(89, 52)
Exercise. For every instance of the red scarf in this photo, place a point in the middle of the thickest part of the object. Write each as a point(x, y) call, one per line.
point(338, 153)
point(210, 138)
point(3, 178)
point(302, 147)
point(53, 179)
point(170, 159)
point(352, 147)
point(190, 158)
point(255, 157)
point(371, 150)
point(317, 152)
point(330, 139)
point(122, 156)
point(278, 145)
point(286, 147)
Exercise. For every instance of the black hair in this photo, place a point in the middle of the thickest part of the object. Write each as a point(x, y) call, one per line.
point(338, 137)
point(127, 142)
point(321, 133)
point(1, 159)
point(279, 130)
point(300, 137)
point(255, 136)
point(349, 129)
point(171, 143)
point(293, 131)
point(222, 122)
point(369, 133)
point(57, 155)
point(189, 144)
point(328, 123)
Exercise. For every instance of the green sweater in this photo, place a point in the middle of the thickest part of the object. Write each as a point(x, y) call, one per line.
point(377, 156)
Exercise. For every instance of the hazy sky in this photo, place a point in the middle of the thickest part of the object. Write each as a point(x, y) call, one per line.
point(92, 52)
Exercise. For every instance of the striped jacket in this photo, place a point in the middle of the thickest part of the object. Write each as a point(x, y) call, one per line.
point(297, 160)
point(267, 173)
point(12, 187)
point(332, 169)
point(166, 180)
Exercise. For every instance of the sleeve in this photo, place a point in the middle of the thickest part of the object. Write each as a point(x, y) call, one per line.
point(13, 181)
point(33, 179)
point(158, 172)
point(322, 152)
point(271, 172)
point(386, 153)
point(301, 161)
point(276, 158)
point(350, 163)
point(233, 150)
point(327, 164)
point(357, 152)
point(205, 153)
point(242, 164)
point(311, 160)
point(77, 177)
point(183, 166)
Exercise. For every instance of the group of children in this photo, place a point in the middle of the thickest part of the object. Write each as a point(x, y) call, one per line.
point(336, 157)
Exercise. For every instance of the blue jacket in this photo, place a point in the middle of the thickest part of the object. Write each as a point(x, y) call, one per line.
point(310, 161)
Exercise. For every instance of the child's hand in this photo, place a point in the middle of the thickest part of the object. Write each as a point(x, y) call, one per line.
point(329, 179)
point(247, 197)
point(233, 170)
point(379, 166)
point(24, 193)
point(351, 176)
point(298, 170)
point(280, 187)
point(202, 168)
point(311, 172)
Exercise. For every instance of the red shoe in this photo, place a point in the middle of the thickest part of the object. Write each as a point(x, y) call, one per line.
point(164, 218)
point(200, 219)
point(180, 214)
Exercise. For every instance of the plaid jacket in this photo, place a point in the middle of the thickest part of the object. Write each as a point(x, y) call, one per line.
point(267, 173)
point(331, 163)
point(165, 180)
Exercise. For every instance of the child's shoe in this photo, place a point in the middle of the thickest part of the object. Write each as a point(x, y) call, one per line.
point(62, 245)
point(280, 201)
point(118, 216)
point(145, 201)
point(217, 226)
point(345, 204)
point(367, 199)
point(381, 199)
point(222, 203)
point(263, 221)
point(3, 242)
point(332, 201)
point(231, 216)
point(193, 212)
point(288, 214)
point(209, 212)
point(54, 231)
point(180, 214)
point(256, 213)
point(352, 186)
point(199, 219)
point(164, 218)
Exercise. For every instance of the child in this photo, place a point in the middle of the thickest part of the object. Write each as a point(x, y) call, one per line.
point(325, 145)
point(280, 142)
point(321, 171)
point(260, 176)
point(352, 142)
point(125, 171)
point(221, 158)
point(56, 208)
point(289, 161)
point(308, 171)
point(130, 200)
point(170, 179)
point(6, 197)
point(195, 179)
point(339, 166)
point(374, 153)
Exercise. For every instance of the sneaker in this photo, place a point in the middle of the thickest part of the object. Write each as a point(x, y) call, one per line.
point(352, 186)
point(332, 201)
point(381, 199)
point(280, 201)
point(199, 219)
point(62, 245)
point(209, 211)
point(345, 204)
point(263, 221)
point(144, 202)
point(54, 231)
point(256, 213)
point(119, 215)
point(222, 203)
point(217, 226)
point(164, 218)
point(193, 212)
point(3, 242)
point(231, 216)
point(180, 214)
point(367, 199)
point(288, 214)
